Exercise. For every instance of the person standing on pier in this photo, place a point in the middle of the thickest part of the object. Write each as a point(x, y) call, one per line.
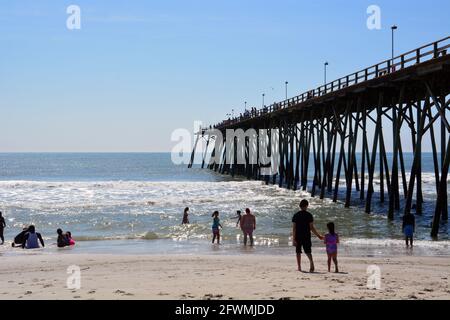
point(248, 225)
point(302, 226)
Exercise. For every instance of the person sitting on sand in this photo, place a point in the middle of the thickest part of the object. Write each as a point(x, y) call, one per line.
point(215, 227)
point(238, 217)
point(331, 241)
point(69, 238)
point(20, 238)
point(31, 239)
point(302, 225)
point(2, 228)
point(409, 227)
point(62, 240)
point(185, 216)
point(248, 225)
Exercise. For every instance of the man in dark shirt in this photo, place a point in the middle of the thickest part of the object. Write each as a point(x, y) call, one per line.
point(302, 225)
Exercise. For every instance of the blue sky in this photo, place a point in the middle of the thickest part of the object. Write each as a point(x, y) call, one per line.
point(137, 70)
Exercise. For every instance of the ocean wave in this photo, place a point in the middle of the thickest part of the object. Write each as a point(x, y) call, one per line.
point(146, 236)
point(42, 195)
point(442, 244)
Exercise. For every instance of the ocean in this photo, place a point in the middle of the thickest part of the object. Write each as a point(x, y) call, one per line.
point(133, 203)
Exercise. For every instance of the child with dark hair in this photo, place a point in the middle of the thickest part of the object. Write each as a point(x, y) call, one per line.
point(2, 227)
point(331, 241)
point(215, 227)
point(238, 217)
point(70, 239)
point(408, 227)
point(185, 216)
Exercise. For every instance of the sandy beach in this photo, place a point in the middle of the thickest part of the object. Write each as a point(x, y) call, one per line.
point(36, 276)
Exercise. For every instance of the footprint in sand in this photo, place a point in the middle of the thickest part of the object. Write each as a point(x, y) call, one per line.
point(91, 292)
point(338, 280)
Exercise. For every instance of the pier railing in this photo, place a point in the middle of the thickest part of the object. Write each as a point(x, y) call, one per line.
point(425, 53)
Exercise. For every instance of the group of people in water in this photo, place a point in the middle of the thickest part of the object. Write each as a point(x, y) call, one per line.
point(302, 227)
point(246, 222)
point(29, 238)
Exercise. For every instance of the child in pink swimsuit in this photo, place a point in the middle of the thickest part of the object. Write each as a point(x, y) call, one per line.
point(69, 237)
point(331, 241)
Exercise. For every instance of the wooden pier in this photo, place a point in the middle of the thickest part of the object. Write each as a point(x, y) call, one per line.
point(404, 99)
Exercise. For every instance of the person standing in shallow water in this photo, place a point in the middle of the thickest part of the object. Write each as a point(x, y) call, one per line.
point(2, 228)
point(248, 225)
point(238, 217)
point(302, 226)
point(409, 227)
point(215, 227)
point(185, 216)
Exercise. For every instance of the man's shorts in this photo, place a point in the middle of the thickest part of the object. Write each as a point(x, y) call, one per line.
point(305, 244)
point(409, 231)
point(248, 231)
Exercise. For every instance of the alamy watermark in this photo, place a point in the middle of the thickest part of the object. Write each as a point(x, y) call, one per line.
point(374, 19)
point(73, 281)
point(374, 277)
point(234, 146)
point(73, 21)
